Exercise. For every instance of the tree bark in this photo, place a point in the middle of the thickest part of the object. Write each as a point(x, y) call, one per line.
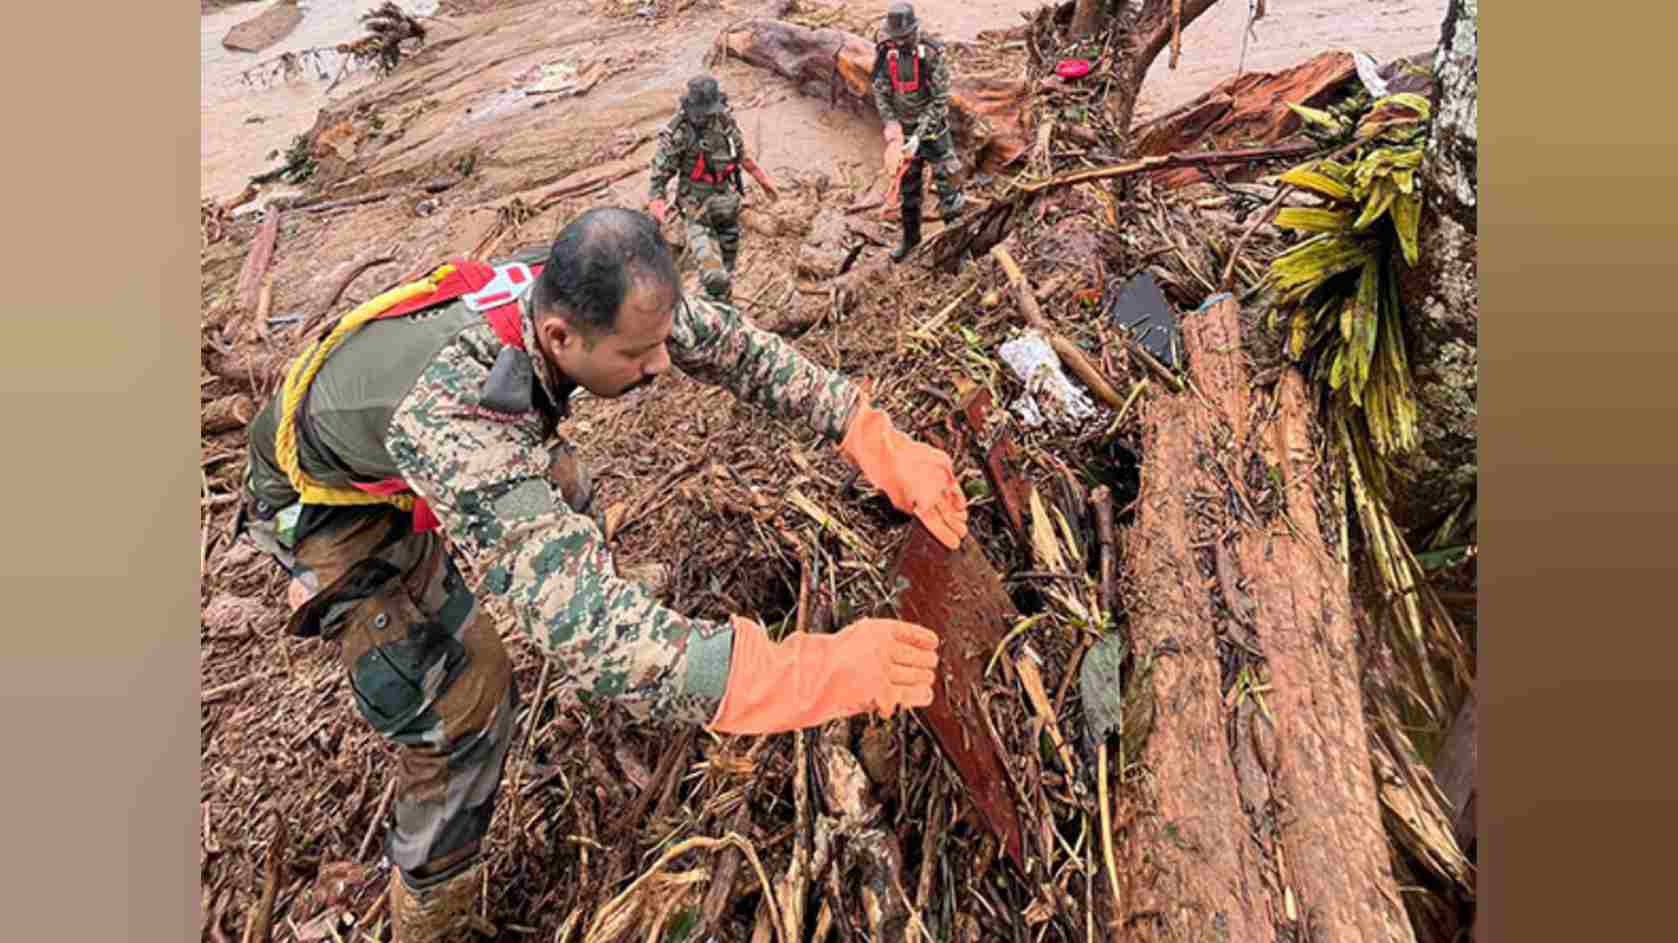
point(1257, 816)
point(1441, 295)
point(1086, 17)
point(1144, 30)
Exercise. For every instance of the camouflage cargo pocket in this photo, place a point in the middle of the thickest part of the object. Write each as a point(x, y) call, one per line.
point(399, 662)
point(722, 208)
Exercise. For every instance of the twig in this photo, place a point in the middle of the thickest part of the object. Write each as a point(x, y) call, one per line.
point(1101, 501)
point(346, 202)
point(1169, 162)
point(232, 687)
point(354, 271)
point(1228, 281)
point(257, 261)
point(936, 321)
point(530, 744)
point(1158, 369)
point(262, 915)
point(1176, 32)
point(378, 819)
point(1032, 680)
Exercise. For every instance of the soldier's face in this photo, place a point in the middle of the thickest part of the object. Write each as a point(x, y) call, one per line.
point(630, 357)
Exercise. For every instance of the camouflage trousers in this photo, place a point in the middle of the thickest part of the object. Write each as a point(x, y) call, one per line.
point(427, 669)
point(940, 151)
point(712, 218)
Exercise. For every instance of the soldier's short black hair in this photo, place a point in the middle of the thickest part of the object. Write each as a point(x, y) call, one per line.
point(594, 262)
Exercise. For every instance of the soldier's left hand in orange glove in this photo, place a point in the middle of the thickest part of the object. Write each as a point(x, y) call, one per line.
point(918, 478)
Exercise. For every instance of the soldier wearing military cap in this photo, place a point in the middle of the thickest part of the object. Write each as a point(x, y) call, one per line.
point(911, 83)
point(702, 147)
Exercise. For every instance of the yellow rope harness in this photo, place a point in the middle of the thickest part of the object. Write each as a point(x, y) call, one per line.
point(302, 373)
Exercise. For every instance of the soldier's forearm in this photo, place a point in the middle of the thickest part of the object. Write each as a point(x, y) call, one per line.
point(715, 345)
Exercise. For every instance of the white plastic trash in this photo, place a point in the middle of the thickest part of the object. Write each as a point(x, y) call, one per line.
point(1049, 395)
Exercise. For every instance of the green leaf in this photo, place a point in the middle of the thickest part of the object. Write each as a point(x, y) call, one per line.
point(1381, 194)
point(1307, 178)
point(1407, 215)
point(1312, 219)
point(1318, 117)
point(1410, 100)
point(1369, 318)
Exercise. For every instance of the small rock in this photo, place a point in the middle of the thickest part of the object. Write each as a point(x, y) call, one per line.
point(425, 208)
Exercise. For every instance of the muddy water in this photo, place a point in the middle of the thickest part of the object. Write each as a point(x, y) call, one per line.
point(240, 125)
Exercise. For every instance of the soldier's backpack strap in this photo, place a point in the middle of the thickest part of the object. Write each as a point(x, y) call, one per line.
point(494, 292)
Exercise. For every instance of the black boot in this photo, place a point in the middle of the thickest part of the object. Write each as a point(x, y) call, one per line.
point(911, 233)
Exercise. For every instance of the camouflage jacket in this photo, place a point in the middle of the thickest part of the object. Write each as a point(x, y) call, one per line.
point(680, 144)
point(927, 108)
point(429, 397)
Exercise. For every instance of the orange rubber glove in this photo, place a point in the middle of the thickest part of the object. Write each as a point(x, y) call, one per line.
point(918, 478)
point(808, 679)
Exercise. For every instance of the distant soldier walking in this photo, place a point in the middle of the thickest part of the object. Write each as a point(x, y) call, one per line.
point(702, 147)
point(912, 89)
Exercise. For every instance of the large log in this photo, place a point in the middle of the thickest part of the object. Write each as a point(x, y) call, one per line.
point(1257, 816)
point(1441, 295)
point(986, 114)
point(265, 29)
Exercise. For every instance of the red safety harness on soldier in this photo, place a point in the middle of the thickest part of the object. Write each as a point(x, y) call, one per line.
point(492, 291)
point(702, 175)
point(899, 84)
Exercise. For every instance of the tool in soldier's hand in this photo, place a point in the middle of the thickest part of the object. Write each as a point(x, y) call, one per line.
point(913, 145)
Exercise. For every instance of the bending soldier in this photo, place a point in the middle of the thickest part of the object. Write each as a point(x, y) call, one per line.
point(414, 443)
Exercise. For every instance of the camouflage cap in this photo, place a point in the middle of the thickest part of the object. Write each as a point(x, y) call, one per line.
point(900, 21)
point(703, 97)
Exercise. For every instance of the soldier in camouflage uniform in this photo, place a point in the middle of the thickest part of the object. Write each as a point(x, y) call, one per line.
point(414, 444)
point(702, 147)
point(911, 81)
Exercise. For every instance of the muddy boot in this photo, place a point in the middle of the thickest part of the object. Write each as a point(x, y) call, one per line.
point(440, 913)
point(911, 234)
point(949, 209)
point(718, 285)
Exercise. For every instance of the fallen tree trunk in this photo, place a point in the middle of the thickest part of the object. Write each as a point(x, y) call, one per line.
point(1257, 817)
point(1441, 294)
point(265, 29)
point(986, 115)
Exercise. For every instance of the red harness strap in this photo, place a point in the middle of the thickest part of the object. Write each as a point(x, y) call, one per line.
point(495, 293)
point(701, 175)
point(898, 84)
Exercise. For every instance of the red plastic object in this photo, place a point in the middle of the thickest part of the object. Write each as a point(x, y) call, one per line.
point(1073, 68)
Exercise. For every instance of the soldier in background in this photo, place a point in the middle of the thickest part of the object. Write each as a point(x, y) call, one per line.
point(911, 81)
point(702, 147)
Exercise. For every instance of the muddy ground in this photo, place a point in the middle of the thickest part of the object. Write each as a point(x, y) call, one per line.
point(457, 157)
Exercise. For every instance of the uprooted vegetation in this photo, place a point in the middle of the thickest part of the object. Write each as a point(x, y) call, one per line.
point(1259, 785)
